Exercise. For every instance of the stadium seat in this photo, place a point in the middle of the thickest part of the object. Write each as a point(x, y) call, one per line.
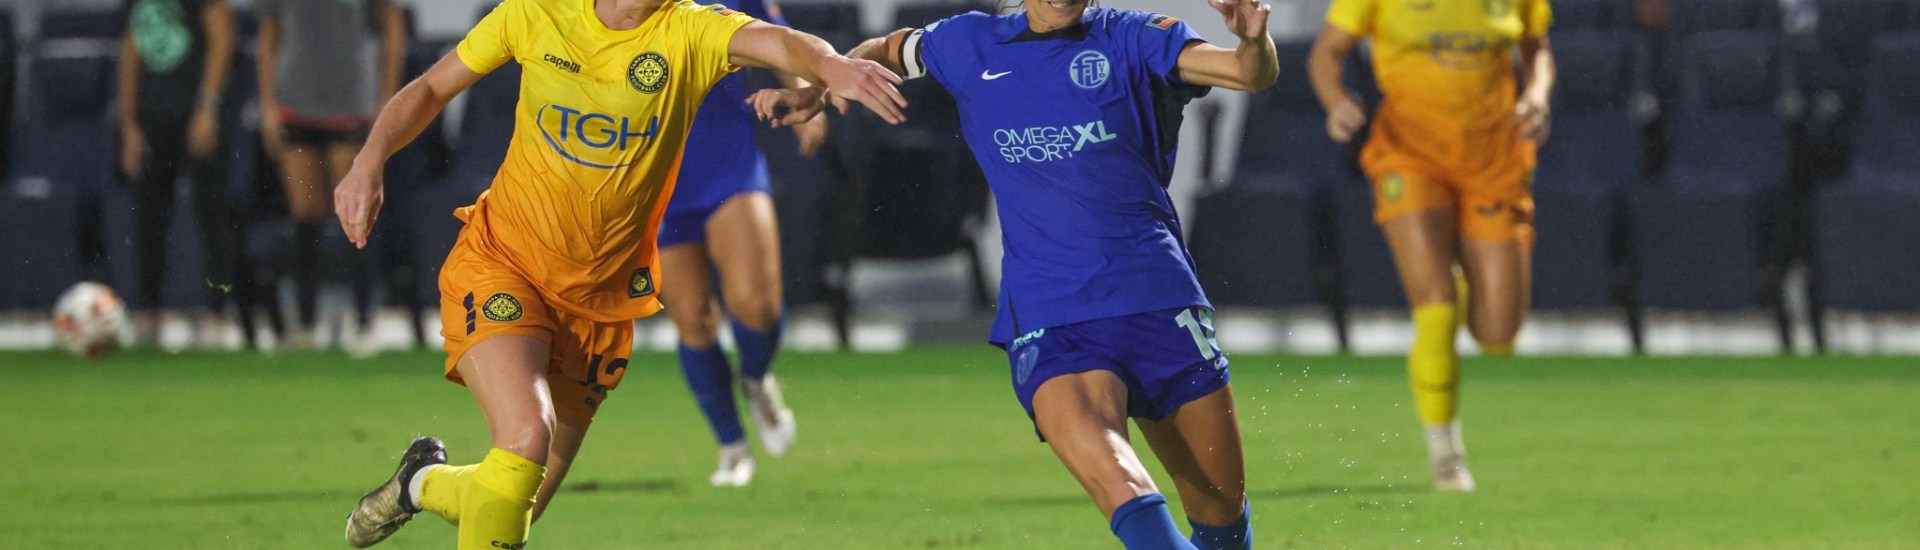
point(9, 52)
point(1367, 276)
point(1703, 233)
point(1261, 239)
point(913, 191)
point(1591, 14)
point(63, 164)
point(1831, 68)
point(1867, 235)
point(1593, 152)
point(921, 14)
point(836, 21)
point(1691, 17)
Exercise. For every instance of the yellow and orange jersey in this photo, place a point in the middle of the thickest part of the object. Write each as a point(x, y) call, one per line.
point(602, 119)
point(1450, 61)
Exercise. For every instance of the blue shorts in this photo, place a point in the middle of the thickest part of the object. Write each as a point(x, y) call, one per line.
point(700, 192)
point(1167, 358)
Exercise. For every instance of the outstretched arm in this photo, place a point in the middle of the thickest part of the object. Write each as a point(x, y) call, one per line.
point(806, 56)
point(1251, 67)
point(802, 105)
point(358, 198)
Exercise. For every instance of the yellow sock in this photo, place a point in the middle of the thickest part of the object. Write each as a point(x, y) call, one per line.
point(1496, 350)
point(496, 506)
point(440, 492)
point(1432, 365)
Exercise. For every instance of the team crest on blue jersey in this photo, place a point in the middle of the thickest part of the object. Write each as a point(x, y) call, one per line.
point(1162, 22)
point(641, 284)
point(1023, 365)
point(1090, 69)
point(502, 308)
point(648, 73)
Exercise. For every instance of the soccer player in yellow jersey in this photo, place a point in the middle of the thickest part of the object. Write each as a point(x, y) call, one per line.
point(1451, 158)
point(539, 293)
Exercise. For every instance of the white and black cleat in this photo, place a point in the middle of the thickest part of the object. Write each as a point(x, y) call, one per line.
point(386, 508)
point(772, 420)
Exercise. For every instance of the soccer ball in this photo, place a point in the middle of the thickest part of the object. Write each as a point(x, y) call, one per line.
point(88, 319)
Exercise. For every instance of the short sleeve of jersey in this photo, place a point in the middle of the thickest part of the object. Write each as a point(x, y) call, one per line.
point(1537, 16)
point(1356, 16)
point(939, 43)
point(710, 30)
point(1160, 39)
point(489, 44)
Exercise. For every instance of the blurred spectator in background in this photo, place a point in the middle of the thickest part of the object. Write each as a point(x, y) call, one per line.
point(175, 59)
point(325, 68)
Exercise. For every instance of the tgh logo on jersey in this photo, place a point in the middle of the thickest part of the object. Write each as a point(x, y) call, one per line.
point(595, 131)
point(1089, 69)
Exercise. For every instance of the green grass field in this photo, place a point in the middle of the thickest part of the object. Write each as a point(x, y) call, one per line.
point(928, 449)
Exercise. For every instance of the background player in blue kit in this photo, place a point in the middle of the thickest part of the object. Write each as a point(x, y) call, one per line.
point(1072, 113)
point(722, 213)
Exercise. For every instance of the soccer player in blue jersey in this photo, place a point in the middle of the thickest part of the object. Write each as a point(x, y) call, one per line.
point(722, 215)
point(1072, 113)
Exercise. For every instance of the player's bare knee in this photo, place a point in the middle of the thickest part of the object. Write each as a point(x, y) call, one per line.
point(758, 309)
point(528, 437)
point(700, 334)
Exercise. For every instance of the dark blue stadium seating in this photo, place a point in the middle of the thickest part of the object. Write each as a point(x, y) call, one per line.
point(1701, 232)
point(1868, 236)
point(837, 22)
point(918, 15)
point(1591, 14)
point(1367, 274)
point(1592, 153)
point(63, 162)
point(1279, 194)
point(1691, 17)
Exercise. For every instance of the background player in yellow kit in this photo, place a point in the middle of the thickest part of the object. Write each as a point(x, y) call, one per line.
point(557, 259)
point(1451, 158)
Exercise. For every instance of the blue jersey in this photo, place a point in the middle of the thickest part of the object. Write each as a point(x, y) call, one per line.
point(1075, 130)
point(721, 157)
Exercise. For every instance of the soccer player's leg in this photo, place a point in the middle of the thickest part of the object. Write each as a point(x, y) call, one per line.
point(1183, 403)
point(498, 333)
point(1417, 215)
point(309, 203)
point(1199, 444)
point(588, 361)
point(1496, 252)
point(1079, 402)
point(745, 244)
point(686, 290)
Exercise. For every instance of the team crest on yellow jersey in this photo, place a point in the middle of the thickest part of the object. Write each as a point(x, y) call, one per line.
point(1393, 187)
point(502, 308)
point(648, 73)
point(641, 284)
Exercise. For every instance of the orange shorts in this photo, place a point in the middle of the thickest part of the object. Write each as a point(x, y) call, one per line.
point(1485, 177)
point(483, 296)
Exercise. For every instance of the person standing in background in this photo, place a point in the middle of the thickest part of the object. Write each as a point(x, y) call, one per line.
point(175, 57)
point(325, 67)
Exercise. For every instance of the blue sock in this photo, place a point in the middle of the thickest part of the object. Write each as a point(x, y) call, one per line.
point(711, 379)
point(1236, 536)
point(1144, 524)
point(757, 348)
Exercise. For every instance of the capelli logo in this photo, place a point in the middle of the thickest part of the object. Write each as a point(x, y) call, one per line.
point(510, 545)
point(562, 63)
